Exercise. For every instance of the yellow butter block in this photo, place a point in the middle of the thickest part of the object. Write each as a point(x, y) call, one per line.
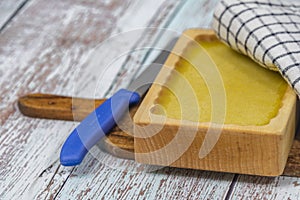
point(253, 93)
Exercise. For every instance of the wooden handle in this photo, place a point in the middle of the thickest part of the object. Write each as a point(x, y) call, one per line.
point(50, 106)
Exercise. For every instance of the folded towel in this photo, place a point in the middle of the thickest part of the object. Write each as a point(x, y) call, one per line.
point(265, 30)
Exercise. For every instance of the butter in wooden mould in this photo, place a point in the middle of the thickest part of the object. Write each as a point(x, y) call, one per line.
point(257, 111)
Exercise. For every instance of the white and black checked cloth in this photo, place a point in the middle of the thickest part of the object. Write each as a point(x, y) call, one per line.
point(268, 31)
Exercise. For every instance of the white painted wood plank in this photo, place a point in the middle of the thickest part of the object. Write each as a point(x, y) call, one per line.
point(188, 14)
point(51, 40)
point(254, 187)
point(31, 147)
point(112, 178)
point(126, 37)
point(7, 9)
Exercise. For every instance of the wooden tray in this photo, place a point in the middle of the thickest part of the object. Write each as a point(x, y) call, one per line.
point(259, 150)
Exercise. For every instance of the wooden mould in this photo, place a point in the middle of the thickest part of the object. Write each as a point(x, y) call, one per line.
point(260, 150)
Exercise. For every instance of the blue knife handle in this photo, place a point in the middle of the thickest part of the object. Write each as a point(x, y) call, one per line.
point(95, 126)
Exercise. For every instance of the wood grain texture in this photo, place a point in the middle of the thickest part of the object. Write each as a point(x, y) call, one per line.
point(48, 48)
point(253, 187)
point(292, 166)
point(57, 107)
point(258, 150)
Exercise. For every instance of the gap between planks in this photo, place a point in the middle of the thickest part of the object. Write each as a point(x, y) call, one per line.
point(231, 187)
point(12, 14)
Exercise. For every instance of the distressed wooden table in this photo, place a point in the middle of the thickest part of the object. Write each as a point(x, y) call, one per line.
point(51, 47)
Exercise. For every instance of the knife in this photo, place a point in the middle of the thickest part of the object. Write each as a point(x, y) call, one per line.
point(105, 117)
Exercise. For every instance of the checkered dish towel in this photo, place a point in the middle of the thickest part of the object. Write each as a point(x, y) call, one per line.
point(268, 31)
